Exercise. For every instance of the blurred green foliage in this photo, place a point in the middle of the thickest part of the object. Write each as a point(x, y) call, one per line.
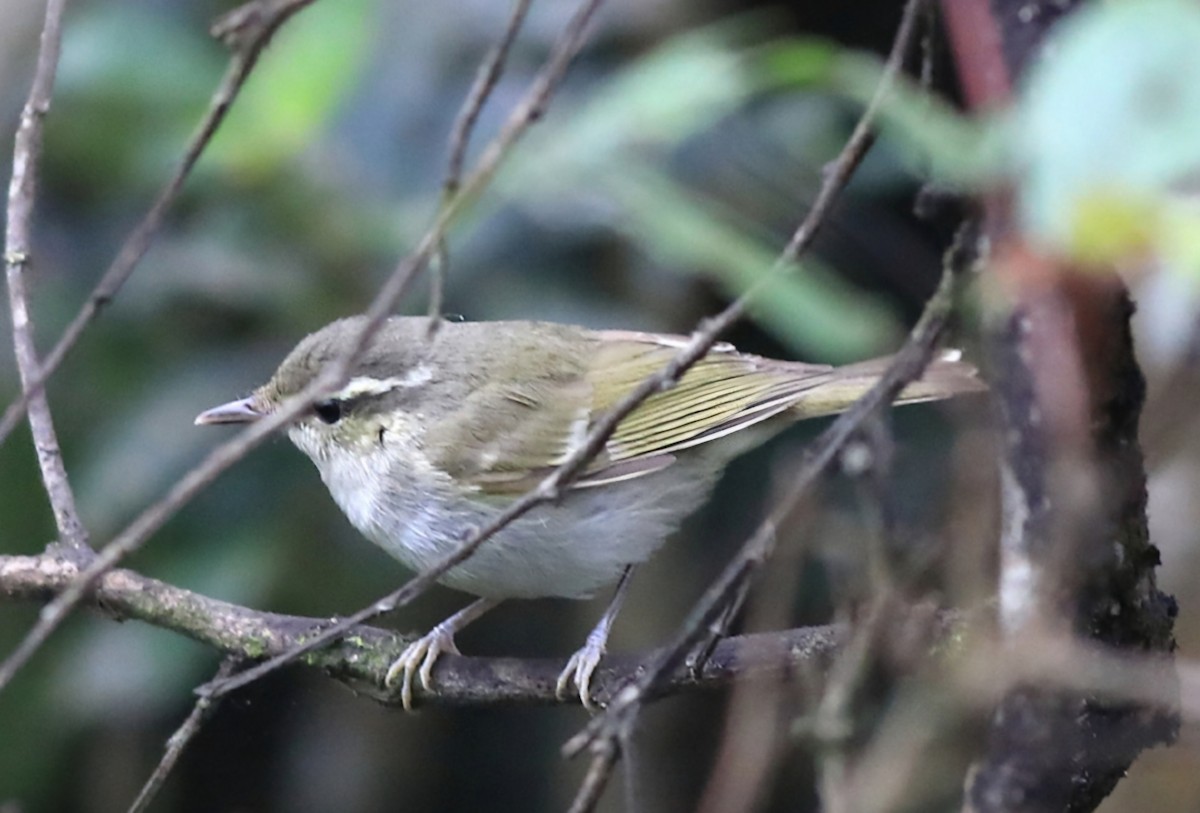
point(1099, 151)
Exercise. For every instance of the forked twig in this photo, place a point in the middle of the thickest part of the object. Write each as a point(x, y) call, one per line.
point(486, 78)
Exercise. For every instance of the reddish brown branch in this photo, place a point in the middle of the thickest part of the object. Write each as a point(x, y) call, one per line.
point(1075, 551)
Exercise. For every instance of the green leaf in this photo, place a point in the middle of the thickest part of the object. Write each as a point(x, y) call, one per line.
point(1106, 136)
point(296, 88)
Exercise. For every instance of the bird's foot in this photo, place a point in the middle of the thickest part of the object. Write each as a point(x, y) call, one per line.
point(577, 674)
point(420, 656)
point(418, 660)
point(582, 665)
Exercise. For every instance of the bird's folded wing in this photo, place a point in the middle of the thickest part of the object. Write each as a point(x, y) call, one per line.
point(517, 435)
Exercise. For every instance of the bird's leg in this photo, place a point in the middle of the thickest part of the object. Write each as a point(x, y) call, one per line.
point(717, 630)
point(583, 663)
point(420, 656)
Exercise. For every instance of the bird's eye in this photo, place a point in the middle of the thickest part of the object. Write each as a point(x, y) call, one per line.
point(328, 411)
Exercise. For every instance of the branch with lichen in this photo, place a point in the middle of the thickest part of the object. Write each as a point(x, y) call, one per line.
point(361, 659)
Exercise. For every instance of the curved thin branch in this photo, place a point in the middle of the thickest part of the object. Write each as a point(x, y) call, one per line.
point(531, 108)
point(138, 532)
point(701, 341)
point(183, 736)
point(486, 78)
point(18, 250)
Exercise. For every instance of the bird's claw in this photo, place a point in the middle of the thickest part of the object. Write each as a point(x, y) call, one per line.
point(418, 659)
point(579, 670)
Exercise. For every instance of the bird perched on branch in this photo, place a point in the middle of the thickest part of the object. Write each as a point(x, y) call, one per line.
point(430, 437)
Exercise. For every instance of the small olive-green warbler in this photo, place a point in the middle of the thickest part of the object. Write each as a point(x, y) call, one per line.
point(430, 437)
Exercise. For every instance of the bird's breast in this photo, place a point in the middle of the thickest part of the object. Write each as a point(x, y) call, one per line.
point(569, 549)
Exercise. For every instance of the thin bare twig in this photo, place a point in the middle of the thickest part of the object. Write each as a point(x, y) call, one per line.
point(605, 753)
point(201, 711)
point(18, 250)
point(136, 534)
point(527, 111)
point(928, 47)
point(758, 714)
point(250, 28)
point(439, 265)
point(618, 719)
point(833, 718)
point(247, 30)
point(485, 82)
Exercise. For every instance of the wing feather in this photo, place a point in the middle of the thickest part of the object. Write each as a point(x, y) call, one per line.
point(721, 393)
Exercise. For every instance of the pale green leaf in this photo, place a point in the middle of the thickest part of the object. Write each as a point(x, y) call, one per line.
point(295, 90)
point(1106, 136)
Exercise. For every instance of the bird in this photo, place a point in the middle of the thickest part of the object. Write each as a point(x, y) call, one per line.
point(435, 432)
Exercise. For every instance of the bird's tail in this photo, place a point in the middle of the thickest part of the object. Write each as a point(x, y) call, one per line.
point(946, 376)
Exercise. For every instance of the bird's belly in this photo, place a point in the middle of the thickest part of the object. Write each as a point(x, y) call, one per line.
point(569, 549)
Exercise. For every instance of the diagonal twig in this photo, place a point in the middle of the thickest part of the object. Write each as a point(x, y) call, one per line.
point(486, 78)
point(907, 366)
point(247, 30)
point(618, 719)
point(187, 731)
point(527, 111)
point(701, 341)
